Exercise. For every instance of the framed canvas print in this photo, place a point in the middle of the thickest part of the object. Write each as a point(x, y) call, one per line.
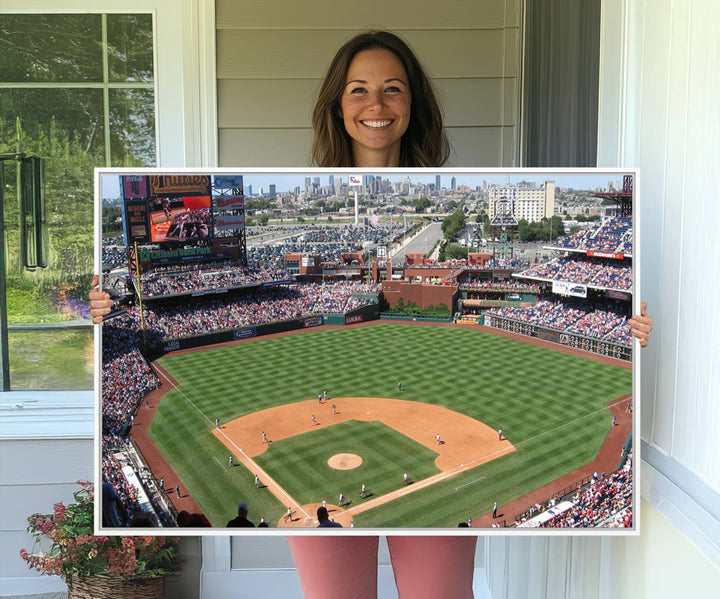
point(441, 351)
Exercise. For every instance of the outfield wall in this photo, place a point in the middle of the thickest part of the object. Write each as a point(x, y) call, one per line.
point(597, 346)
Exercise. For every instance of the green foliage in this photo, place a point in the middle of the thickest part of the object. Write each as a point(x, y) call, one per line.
point(541, 230)
point(455, 252)
point(413, 308)
point(453, 224)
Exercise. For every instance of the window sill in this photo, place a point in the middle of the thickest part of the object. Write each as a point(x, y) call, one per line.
point(46, 415)
point(683, 498)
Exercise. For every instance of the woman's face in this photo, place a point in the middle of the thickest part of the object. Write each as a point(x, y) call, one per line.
point(375, 107)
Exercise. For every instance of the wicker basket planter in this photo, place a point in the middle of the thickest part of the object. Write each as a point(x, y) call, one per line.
point(116, 587)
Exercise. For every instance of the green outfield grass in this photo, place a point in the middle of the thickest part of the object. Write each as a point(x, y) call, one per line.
point(551, 405)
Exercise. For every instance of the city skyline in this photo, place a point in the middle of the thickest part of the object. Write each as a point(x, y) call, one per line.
point(285, 182)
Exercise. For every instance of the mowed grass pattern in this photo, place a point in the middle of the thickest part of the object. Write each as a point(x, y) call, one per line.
point(551, 405)
point(299, 464)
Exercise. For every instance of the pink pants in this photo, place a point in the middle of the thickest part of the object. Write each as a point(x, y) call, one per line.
point(334, 567)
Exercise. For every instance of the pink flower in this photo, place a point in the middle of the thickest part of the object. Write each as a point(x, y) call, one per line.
point(128, 543)
point(59, 512)
point(43, 526)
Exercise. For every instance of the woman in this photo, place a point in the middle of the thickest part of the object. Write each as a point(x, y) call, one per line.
point(377, 108)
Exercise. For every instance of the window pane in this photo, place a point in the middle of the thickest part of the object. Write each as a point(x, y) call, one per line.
point(52, 359)
point(130, 48)
point(49, 117)
point(132, 127)
point(37, 48)
point(65, 127)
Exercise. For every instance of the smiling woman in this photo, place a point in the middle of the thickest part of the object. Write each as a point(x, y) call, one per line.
point(377, 107)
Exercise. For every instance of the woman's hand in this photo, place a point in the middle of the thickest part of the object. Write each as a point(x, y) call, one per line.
point(100, 302)
point(641, 325)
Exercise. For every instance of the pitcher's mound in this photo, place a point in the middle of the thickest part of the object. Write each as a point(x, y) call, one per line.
point(344, 461)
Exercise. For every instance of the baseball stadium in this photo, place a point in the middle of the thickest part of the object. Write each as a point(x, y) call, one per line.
point(285, 367)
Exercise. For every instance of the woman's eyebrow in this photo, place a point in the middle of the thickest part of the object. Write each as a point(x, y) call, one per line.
point(386, 81)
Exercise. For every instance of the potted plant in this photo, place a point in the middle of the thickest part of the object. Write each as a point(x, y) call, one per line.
point(95, 567)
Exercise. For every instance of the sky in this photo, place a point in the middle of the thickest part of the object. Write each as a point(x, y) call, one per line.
point(287, 181)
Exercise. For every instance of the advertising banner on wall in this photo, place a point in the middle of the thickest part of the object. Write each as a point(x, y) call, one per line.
point(229, 202)
point(566, 288)
point(229, 221)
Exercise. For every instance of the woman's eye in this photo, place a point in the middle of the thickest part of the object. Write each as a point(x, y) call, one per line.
point(357, 90)
point(393, 89)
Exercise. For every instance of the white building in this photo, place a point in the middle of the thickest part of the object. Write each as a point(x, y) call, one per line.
point(529, 202)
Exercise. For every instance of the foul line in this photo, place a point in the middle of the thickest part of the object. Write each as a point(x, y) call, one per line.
point(248, 462)
point(182, 393)
point(282, 495)
point(470, 483)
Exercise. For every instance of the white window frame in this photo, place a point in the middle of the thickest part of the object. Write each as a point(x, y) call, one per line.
point(186, 136)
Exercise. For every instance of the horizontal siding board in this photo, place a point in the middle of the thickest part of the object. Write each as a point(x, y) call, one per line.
point(257, 54)
point(370, 14)
point(264, 147)
point(260, 103)
point(46, 461)
point(19, 501)
point(263, 103)
point(475, 146)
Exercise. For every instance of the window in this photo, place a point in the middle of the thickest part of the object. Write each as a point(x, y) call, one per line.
point(79, 91)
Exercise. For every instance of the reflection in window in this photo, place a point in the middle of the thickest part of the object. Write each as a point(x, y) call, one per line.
point(78, 91)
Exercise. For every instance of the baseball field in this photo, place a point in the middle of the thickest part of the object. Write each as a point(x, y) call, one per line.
point(460, 383)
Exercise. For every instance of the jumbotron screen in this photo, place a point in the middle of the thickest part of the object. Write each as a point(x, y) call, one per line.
point(180, 218)
point(179, 208)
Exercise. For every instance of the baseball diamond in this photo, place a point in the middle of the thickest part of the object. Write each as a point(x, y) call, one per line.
point(464, 383)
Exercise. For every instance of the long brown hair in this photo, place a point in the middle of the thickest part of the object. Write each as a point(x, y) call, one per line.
point(423, 144)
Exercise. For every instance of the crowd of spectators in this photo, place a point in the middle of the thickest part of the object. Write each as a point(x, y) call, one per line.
point(260, 306)
point(512, 285)
point(113, 445)
point(606, 500)
point(598, 273)
point(126, 375)
point(176, 279)
point(613, 235)
point(600, 322)
point(114, 253)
